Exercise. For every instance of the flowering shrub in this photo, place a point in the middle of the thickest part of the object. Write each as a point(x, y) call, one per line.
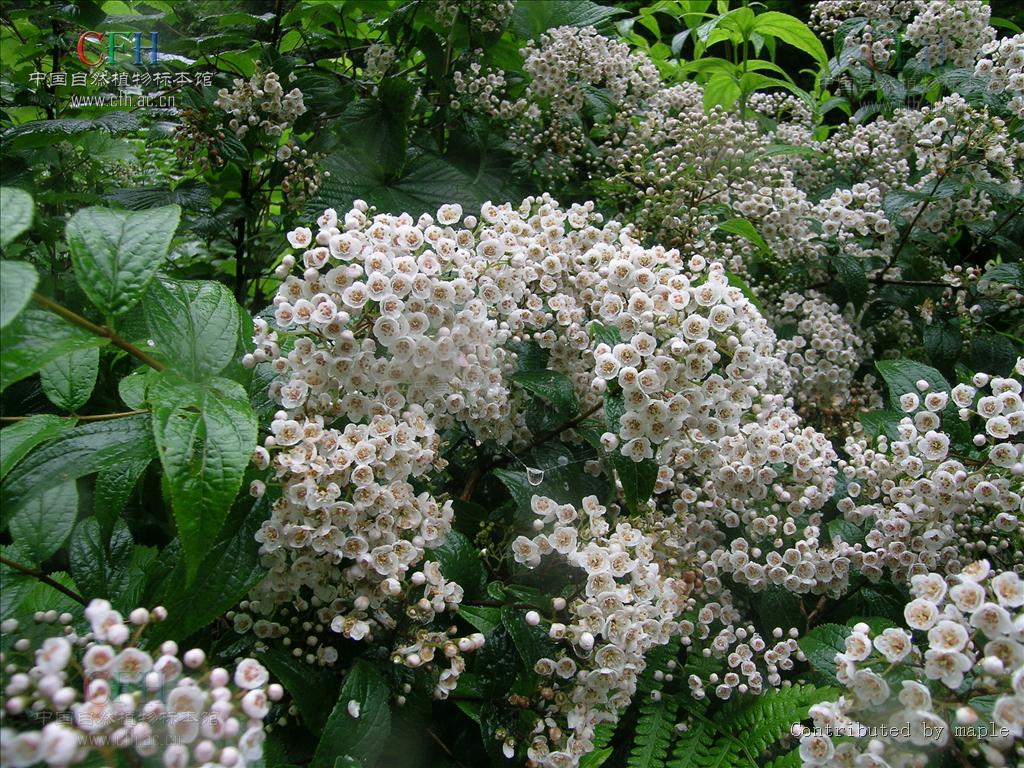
point(500, 383)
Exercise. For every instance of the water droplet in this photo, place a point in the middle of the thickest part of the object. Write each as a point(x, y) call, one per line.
point(534, 476)
point(563, 460)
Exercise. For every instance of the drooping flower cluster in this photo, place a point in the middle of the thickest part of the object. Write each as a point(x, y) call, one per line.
point(482, 15)
point(928, 506)
point(1002, 66)
point(630, 604)
point(821, 349)
point(566, 68)
point(69, 697)
point(906, 690)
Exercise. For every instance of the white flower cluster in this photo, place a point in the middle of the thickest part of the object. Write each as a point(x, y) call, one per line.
point(259, 111)
point(950, 31)
point(630, 604)
point(482, 15)
point(927, 508)
point(260, 102)
point(565, 68)
point(1002, 66)
point(822, 352)
point(379, 58)
point(129, 700)
point(967, 635)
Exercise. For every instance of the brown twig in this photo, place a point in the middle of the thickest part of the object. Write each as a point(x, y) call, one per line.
point(99, 330)
point(37, 574)
point(443, 746)
point(93, 417)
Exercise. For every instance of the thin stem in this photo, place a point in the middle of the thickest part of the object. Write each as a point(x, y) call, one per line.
point(99, 330)
point(93, 417)
point(910, 228)
point(37, 574)
point(483, 469)
point(444, 747)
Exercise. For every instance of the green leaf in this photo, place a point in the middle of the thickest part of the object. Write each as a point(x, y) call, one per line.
point(14, 585)
point(104, 568)
point(314, 693)
point(851, 276)
point(942, 342)
point(227, 574)
point(17, 281)
point(22, 436)
point(821, 644)
point(362, 738)
point(117, 253)
point(845, 530)
point(42, 526)
point(377, 129)
point(607, 334)
point(39, 133)
point(791, 30)
point(37, 337)
point(746, 230)
point(902, 376)
point(555, 388)
point(204, 436)
point(638, 479)
point(1012, 273)
point(15, 215)
point(194, 326)
point(69, 380)
point(113, 487)
point(482, 617)
point(460, 562)
point(885, 422)
point(532, 643)
point(74, 453)
point(530, 19)
point(721, 90)
point(426, 182)
point(993, 353)
point(42, 597)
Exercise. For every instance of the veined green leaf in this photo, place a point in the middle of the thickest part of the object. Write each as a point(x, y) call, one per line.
point(205, 435)
point(34, 339)
point(15, 214)
point(17, 281)
point(69, 380)
point(117, 253)
point(358, 730)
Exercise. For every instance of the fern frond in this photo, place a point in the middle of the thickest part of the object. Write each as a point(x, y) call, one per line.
point(744, 728)
point(791, 759)
point(767, 718)
point(654, 731)
point(656, 659)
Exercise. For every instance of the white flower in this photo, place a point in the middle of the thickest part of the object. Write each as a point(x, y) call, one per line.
point(920, 614)
point(23, 750)
point(915, 696)
point(59, 744)
point(948, 636)
point(992, 619)
point(300, 237)
point(131, 665)
point(1008, 713)
point(894, 644)
point(251, 674)
point(54, 655)
point(1009, 589)
point(816, 749)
